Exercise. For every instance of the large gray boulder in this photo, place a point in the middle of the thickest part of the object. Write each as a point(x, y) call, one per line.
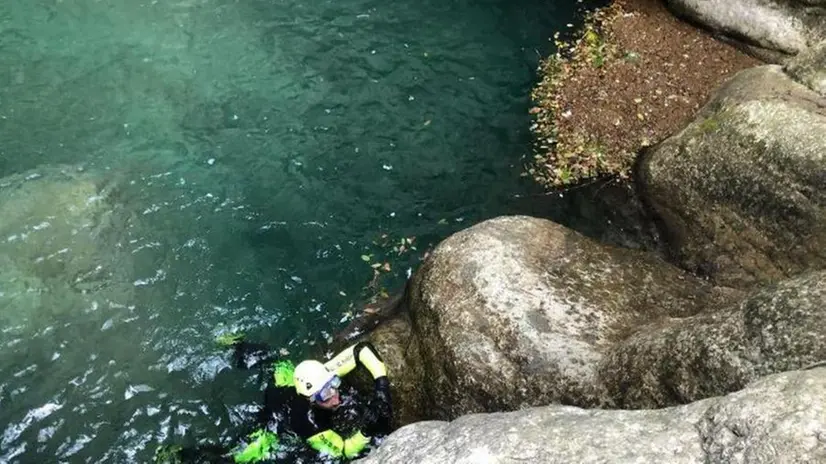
point(740, 190)
point(463, 347)
point(519, 311)
point(778, 419)
point(779, 328)
point(809, 68)
point(774, 29)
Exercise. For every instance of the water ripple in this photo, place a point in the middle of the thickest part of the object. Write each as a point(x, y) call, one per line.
point(188, 168)
point(14, 431)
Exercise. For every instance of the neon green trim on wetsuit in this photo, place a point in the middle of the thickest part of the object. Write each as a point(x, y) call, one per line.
point(372, 363)
point(355, 445)
point(283, 373)
point(344, 362)
point(327, 442)
point(331, 443)
point(263, 443)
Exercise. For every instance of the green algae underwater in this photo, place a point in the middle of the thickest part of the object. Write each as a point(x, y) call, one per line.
point(172, 170)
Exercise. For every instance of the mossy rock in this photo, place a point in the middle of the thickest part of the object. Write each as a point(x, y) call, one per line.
point(740, 191)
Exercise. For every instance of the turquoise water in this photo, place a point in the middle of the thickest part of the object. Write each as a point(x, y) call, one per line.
point(170, 170)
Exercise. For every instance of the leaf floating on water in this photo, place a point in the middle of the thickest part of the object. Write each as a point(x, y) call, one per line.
point(341, 292)
point(427, 123)
point(284, 352)
point(365, 258)
point(386, 267)
point(375, 265)
point(442, 221)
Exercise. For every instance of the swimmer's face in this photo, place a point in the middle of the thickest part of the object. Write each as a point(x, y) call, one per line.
point(331, 403)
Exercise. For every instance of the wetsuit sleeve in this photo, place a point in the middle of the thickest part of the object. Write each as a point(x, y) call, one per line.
point(322, 438)
point(278, 394)
point(331, 443)
point(275, 402)
point(363, 354)
point(378, 420)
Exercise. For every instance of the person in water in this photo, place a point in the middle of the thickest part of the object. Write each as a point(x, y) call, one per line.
point(310, 401)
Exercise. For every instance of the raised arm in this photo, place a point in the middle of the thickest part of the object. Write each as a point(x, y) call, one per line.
point(364, 354)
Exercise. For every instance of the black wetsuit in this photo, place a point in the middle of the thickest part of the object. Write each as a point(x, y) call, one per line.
point(293, 418)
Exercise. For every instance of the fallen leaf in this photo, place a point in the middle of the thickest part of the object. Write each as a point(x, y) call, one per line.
point(386, 267)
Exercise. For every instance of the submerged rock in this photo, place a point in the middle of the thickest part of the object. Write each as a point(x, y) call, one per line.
point(777, 28)
point(781, 418)
point(518, 311)
point(779, 328)
point(740, 189)
point(57, 250)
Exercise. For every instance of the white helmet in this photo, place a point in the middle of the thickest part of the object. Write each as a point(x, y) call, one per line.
point(311, 376)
